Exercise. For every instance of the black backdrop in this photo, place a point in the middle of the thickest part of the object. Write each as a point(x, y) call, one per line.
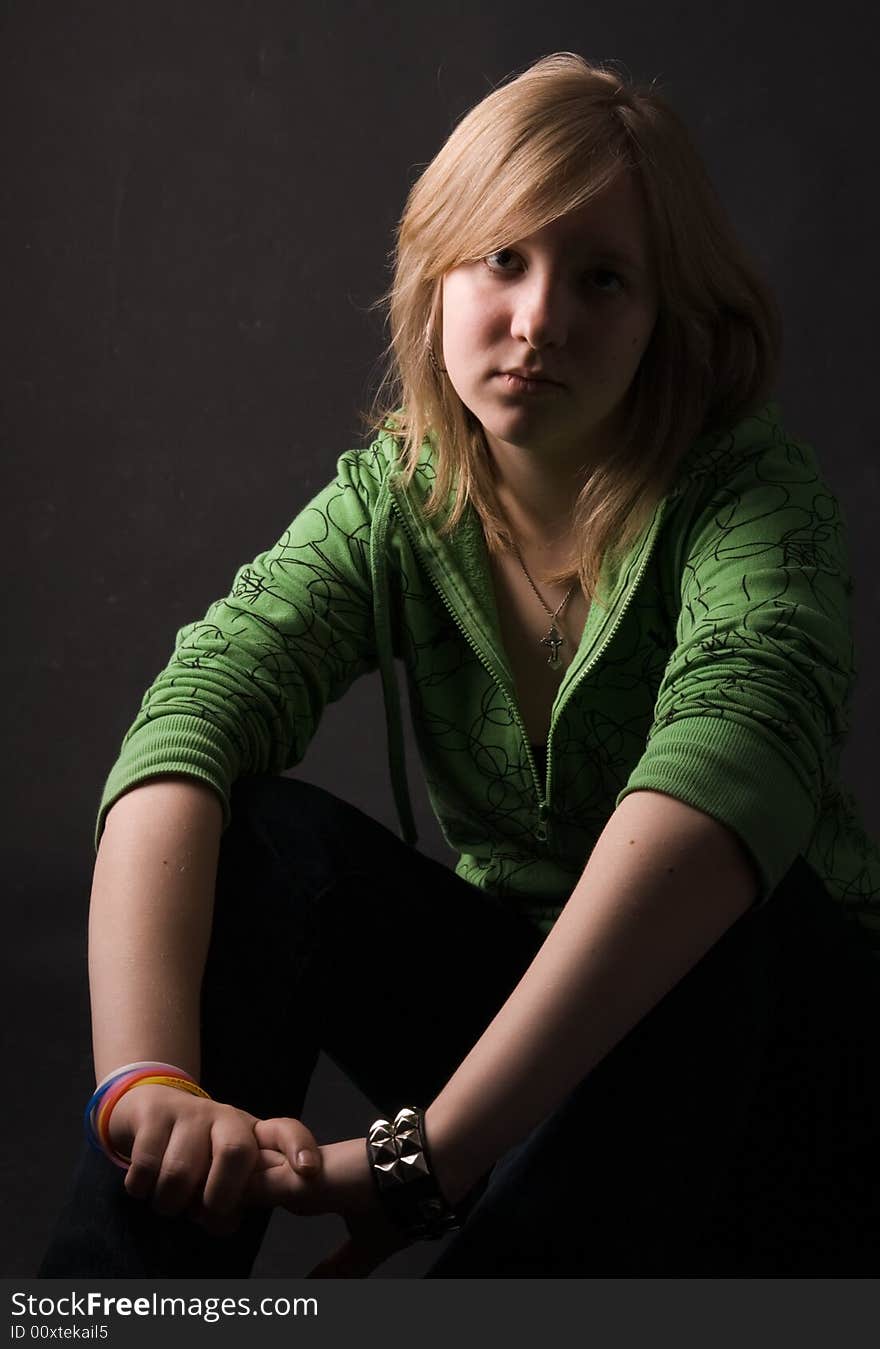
point(198, 206)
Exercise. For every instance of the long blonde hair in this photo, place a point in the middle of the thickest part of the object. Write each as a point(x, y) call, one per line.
point(537, 147)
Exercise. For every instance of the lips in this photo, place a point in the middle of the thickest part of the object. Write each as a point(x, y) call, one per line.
point(534, 376)
point(527, 386)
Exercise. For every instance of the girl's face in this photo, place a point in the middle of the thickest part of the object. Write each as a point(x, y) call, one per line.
point(575, 305)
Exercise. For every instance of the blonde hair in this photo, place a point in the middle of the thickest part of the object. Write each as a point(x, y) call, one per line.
point(539, 146)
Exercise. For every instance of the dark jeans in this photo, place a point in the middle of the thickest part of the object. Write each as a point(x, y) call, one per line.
point(733, 1132)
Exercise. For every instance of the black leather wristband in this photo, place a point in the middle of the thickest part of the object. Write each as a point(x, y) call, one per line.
point(400, 1162)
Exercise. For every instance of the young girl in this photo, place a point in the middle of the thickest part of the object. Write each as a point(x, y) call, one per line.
point(630, 1033)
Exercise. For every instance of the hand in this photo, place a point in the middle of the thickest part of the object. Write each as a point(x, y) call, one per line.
point(194, 1156)
point(343, 1185)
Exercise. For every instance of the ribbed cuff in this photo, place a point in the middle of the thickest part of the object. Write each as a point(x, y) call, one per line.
point(189, 745)
point(735, 774)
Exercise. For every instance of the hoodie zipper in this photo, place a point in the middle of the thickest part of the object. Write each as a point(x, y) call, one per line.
point(541, 830)
point(542, 791)
point(588, 666)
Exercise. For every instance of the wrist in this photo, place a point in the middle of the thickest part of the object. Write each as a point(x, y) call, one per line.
point(348, 1188)
point(123, 1120)
point(345, 1175)
point(453, 1166)
point(115, 1088)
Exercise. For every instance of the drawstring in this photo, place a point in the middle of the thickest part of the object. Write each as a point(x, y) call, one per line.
point(385, 653)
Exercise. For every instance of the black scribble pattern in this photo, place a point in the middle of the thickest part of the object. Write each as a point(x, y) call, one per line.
point(741, 620)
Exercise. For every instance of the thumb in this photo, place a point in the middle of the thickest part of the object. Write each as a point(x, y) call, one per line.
point(290, 1137)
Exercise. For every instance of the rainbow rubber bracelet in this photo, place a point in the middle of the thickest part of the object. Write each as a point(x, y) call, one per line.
point(129, 1070)
point(98, 1117)
point(120, 1085)
point(106, 1108)
point(105, 1097)
point(142, 1063)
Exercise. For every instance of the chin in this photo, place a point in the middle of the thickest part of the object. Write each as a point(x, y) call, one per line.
point(523, 427)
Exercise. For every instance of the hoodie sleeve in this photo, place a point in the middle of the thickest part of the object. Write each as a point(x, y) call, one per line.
point(754, 703)
point(246, 685)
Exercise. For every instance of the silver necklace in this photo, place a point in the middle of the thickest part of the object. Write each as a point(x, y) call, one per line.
point(553, 639)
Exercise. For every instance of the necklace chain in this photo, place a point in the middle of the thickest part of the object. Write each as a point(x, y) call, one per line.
point(553, 639)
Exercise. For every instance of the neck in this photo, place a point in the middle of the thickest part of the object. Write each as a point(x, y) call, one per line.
point(537, 498)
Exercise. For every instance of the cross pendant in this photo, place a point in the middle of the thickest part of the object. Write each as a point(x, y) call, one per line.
point(553, 641)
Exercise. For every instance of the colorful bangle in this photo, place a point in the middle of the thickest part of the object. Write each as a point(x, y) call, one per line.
point(119, 1086)
point(141, 1063)
point(113, 1087)
point(117, 1075)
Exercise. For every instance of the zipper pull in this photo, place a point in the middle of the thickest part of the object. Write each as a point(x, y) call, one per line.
point(541, 827)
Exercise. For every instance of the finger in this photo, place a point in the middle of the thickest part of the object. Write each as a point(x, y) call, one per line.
point(147, 1154)
point(267, 1158)
point(186, 1161)
point(234, 1153)
point(291, 1137)
point(275, 1184)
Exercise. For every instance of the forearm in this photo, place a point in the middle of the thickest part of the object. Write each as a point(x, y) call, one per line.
point(150, 923)
point(664, 882)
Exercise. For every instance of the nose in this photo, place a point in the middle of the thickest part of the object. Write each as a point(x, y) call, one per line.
point(539, 311)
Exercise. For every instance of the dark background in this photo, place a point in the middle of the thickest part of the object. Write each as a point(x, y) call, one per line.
point(198, 205)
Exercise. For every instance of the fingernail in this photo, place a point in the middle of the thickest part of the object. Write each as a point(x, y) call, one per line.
point(307, 1157)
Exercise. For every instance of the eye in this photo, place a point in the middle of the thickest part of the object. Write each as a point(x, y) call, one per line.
point(605, 274)
point(496, 261)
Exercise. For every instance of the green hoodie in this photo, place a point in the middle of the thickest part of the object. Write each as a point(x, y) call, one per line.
point(720, 672)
